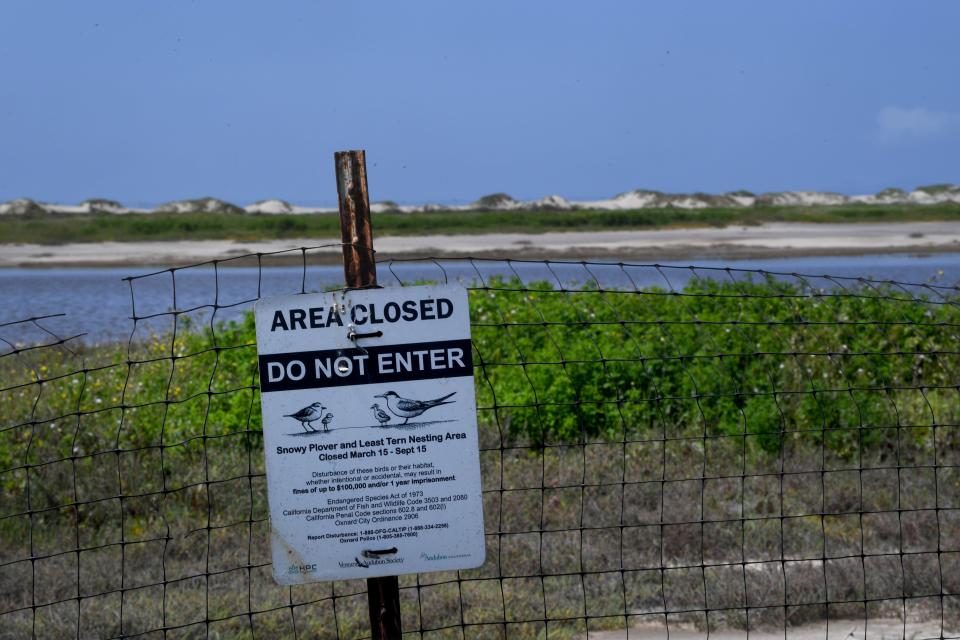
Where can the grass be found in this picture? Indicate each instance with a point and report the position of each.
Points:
(59, 229)
(629, 470)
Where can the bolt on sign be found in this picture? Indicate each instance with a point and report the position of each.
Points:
(370, 433)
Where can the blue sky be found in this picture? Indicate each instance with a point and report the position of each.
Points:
(148, 102)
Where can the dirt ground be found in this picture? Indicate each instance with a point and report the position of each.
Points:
(882, 629)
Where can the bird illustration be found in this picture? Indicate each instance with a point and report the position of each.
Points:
(406, 408)
(382, 416)
(327, 419)
(308, 414)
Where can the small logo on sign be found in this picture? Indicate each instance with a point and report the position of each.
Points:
(296, 569)
(434, 557)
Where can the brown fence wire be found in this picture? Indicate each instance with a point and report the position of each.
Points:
(665, 451)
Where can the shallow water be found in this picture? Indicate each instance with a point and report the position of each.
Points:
(99, 303)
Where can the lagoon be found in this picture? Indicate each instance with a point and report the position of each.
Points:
(100, 304)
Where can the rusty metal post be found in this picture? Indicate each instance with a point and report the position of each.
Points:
(360, 270)
(356, 233)
(383, 598)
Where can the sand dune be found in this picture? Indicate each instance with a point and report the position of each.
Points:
(635, 199)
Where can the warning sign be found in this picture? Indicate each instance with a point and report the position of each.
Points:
(370, 433)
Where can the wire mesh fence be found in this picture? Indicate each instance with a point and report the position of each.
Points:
(665, 451)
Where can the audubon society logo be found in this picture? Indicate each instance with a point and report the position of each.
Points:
(366, 563)
(434, 557)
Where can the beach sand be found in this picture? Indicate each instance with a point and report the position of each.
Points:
(762, 241)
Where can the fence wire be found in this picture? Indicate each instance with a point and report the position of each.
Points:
(665, 451)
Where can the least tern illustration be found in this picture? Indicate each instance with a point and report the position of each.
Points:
(407, 408)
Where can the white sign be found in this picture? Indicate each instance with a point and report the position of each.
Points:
(370, 433)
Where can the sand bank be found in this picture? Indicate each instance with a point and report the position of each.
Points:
(770, 240)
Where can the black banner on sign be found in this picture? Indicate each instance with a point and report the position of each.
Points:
(372, 365)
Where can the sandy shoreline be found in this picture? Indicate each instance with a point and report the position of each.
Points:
(769, 240)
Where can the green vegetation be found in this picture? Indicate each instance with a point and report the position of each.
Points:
(934, 189)
(763, 360)
(58, 229)
(891, 192)
(493, 200)
(820, 420)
